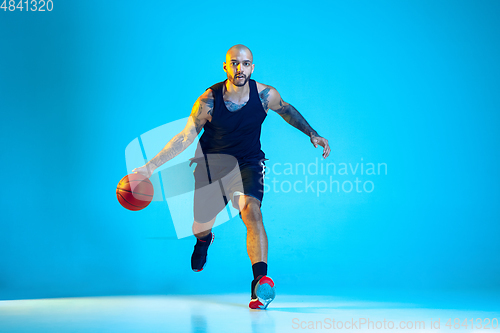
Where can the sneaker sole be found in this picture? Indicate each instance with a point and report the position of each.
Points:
(266, 292)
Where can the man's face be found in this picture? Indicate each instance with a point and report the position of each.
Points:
(239, 67)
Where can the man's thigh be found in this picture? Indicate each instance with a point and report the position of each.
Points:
(209, 195)
(249, 184)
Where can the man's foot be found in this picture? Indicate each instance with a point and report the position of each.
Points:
(263, 293)
(199, 256)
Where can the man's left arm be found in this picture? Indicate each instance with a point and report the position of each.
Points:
(272, 100)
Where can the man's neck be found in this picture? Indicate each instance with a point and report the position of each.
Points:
(235, 91)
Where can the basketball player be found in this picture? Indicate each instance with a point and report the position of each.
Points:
(231, 113)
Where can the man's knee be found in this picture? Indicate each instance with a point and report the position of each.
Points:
(246, 202)
(202, 229)
(250, 207)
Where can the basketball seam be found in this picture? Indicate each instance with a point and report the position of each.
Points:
(137, 180)
(122, 189)
(129, 202)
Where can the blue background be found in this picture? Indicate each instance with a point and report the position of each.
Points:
(412, 84)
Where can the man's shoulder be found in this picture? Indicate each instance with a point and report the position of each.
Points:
(216, 86)
(261, 87)
(207, 94)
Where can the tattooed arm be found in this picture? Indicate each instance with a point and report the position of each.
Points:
(271, 99)
(201, 112)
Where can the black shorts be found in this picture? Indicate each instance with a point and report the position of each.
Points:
(219, 178)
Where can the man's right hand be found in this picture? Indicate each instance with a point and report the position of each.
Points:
(145, 170)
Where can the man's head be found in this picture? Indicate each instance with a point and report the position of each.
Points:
(239, 65)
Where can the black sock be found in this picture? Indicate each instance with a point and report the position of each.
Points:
(259, 268)
(206, 238)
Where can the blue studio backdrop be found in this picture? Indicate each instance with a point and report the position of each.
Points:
(405, 92)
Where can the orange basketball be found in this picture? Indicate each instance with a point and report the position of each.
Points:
(135, 191)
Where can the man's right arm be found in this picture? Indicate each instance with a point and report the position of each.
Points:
(201, 112)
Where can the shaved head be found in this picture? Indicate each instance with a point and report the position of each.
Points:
(237, 50)
(239, 65)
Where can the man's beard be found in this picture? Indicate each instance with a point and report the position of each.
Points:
(233, 81)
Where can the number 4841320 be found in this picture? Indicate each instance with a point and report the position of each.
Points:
(27, 5)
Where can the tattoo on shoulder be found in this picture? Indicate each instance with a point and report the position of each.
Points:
(264, 97)
(209, 103)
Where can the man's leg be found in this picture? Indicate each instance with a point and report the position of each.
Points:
(204, 237)
(201, 230)
(262, 286)
(209, 200)
(256, 234)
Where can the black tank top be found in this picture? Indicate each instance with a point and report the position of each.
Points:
(235, 133)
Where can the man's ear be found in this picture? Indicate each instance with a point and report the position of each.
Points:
(224, 67)
(253, 68)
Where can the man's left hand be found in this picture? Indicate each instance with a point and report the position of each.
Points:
(318, 140)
